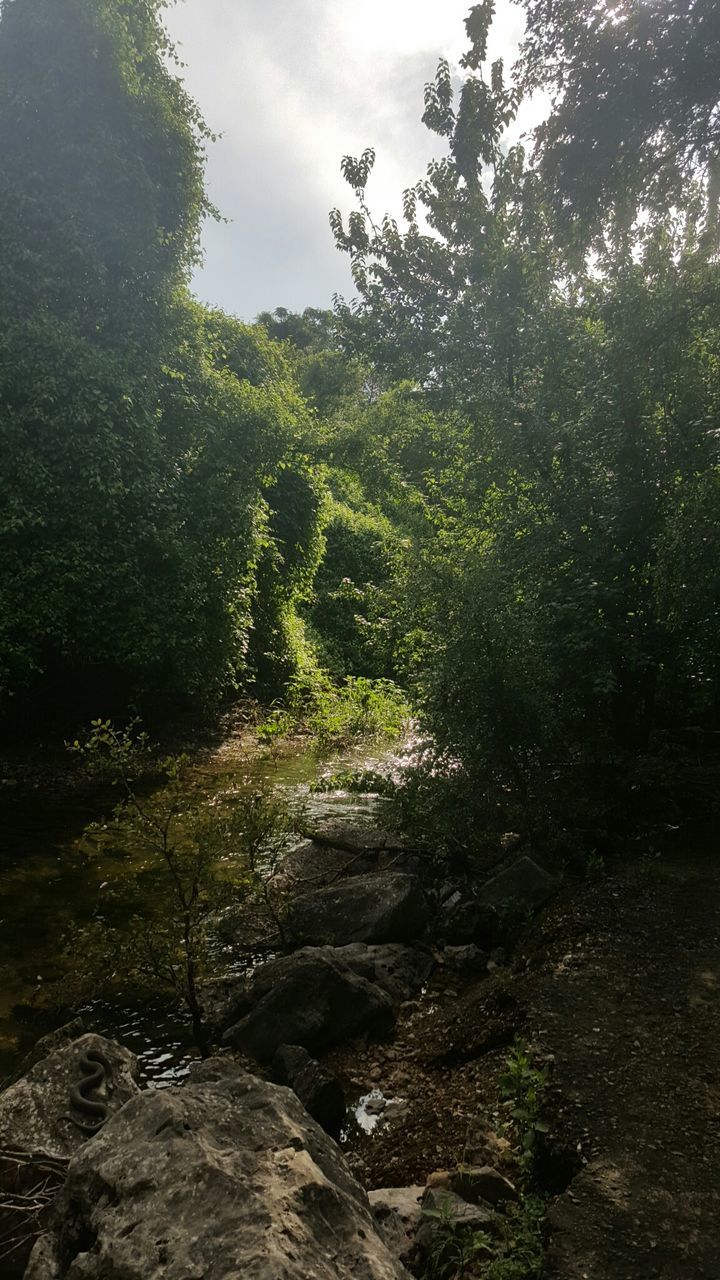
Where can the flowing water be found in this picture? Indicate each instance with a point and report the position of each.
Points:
(47, 886)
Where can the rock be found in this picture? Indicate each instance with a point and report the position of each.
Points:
(393, 967)
(312, 999)
(319, 1091)
(484, 1184)
(224, 1001)
(466, 1217)
(485, 1147)
(381, 907)
(467, 961)
(33, 1109)
(398, 1215)
(225, 1176)
(464, 922)
(395, 1107)
(376, 1106)
(36, 1139)
(524, 883)
(52, 1041)
(399, 970)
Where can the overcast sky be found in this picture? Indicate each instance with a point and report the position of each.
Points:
(292, 86)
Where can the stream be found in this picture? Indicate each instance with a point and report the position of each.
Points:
(47, 886)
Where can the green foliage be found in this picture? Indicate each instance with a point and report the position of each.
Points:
(329, 379)
(594, 865)
(180, 861)
(293, 546)
(523, 1087)
(360, 781)
(352, 611)
(556, 485)
(636, 124)
(523, 1246)
(148, 444)
(457, 1253)
(454, 1248)
(337, 714)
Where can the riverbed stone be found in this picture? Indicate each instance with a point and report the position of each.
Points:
(311, 998)
(223, 1001)
(226, 1176)
(320, 1092)
(380, 907)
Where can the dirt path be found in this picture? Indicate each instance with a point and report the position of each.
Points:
(626, 996)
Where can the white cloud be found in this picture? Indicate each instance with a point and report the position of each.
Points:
(293, 85)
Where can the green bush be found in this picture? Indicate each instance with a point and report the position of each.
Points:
(353, 609)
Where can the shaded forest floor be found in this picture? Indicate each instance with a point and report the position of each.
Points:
(627, 999)
(617, 984)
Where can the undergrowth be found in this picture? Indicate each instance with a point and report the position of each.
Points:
(515, 1250)
(338, 714)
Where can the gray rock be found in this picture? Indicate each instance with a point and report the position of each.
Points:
(36, 1138)
(524, 882)
(395, 1108)
(398, 1215)
(465, 1217)
(399, 970)
(381, 907)
(484, 1183)
(312, 999)
(54, 1040)
(224, 1000)
(468, 961)
(227, 1176)
(33, 1109)
(317, 1088)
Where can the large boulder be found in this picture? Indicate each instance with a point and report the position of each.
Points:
(311, 998)
(382, 907)
(400, 970)
(226, 1176)
(397, 969)
(37, 1137)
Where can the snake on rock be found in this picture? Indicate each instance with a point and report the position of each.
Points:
(96, 1069)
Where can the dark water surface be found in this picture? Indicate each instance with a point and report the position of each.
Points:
(47, 885)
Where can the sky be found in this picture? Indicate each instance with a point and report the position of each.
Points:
(292, 86)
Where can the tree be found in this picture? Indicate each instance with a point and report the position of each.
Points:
(141, 433)
(175, 874)
(634, 121)
(567, 403)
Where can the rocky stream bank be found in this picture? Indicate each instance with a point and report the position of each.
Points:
(356, 1120)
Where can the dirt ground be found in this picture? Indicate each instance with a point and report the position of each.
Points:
(618, 985)
(627, 999)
